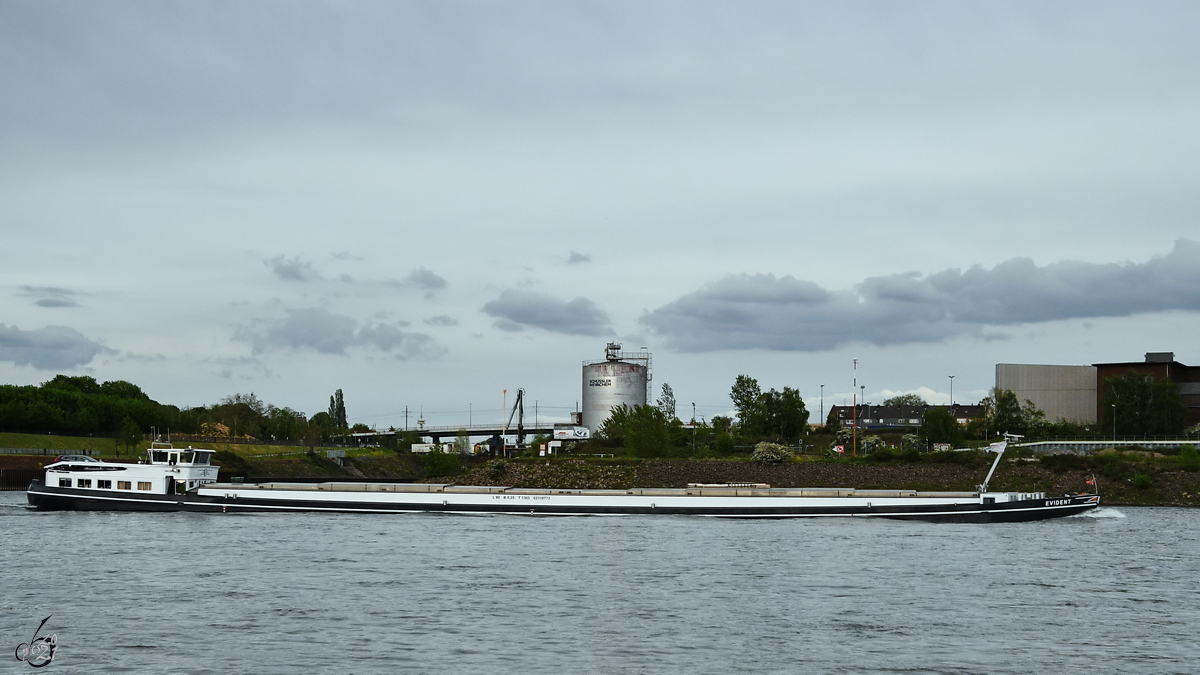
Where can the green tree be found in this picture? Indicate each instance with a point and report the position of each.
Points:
(439, 463)
(1032, 417)
(1143, 405)
(779, 415)
(905, 399)
(284, 424)
(643, 429)
(940, 426)
(784, 414)
(1002, 412)
(320, 429)
(462, 442)
(131, 435)
(666, 402)
(337, 410)
(747, 400)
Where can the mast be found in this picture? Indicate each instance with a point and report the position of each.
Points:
(1000, 448)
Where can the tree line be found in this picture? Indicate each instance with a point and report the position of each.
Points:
(655, 431)
(80, 405)
(1137, 403)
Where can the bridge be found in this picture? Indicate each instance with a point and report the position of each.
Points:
(1088, 446)
(435, 434)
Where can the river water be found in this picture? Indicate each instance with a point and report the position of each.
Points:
(1113, 592)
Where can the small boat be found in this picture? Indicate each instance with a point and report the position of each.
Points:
(172, 479)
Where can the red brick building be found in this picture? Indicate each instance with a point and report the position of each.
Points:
(1158, 365)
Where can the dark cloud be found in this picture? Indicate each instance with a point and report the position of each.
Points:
(292, 269)
(49, 348)
(324, 332)
(425, 280)
(51, 296)
(575, 258)
(764, 312)
(441, 320)
(56, 302)
(515, 308)
(302, 329)
(402, 344)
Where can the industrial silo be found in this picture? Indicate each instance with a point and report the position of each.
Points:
(620, 379)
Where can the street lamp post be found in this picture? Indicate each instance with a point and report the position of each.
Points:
(1114, 416)
(693, 428)
(854, 426)
(951, 391)
(822, 405)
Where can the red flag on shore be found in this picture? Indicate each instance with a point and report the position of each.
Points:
(1091, 481)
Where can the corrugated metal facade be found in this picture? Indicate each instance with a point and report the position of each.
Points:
(1062, 392)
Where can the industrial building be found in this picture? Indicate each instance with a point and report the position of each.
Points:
(1062, 392)
(1075, 393)
(621, 378)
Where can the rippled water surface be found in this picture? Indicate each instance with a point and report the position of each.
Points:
(1118, 591)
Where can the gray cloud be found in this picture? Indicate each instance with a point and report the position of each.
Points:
(51, 296)
(425, 280)
(292, 269)
(324, 332)
(49, 348)
(441, 320)
(764, 312)
(515, 308)
(401, 344)
(575, 258)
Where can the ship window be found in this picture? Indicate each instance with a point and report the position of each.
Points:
(84, 482)
(158, 456)
(185, 457)
(104, 484)
(124, 485)
(144, 485)
(64, 482)
(202, 457)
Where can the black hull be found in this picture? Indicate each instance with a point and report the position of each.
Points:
(74, 499)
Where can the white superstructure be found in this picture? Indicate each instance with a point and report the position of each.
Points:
(166, 470)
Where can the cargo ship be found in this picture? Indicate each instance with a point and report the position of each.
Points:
(177, 479)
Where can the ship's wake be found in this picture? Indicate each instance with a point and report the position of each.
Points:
(1102, 512)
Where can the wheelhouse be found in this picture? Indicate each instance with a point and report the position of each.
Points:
(164, 470)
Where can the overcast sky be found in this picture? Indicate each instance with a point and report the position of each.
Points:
(426, 203)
